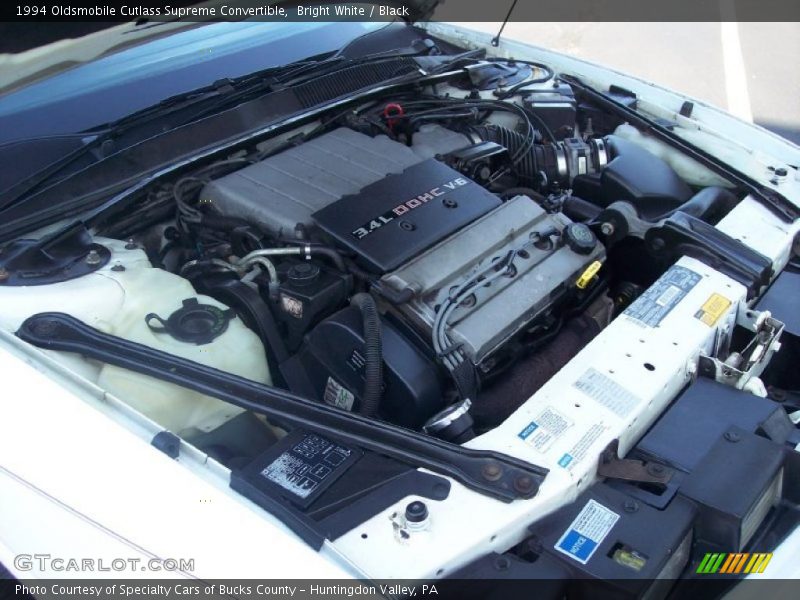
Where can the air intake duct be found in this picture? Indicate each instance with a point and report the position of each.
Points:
(547, 166)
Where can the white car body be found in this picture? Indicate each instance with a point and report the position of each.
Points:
(98, 488)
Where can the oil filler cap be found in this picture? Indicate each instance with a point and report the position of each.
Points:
(580, 238)
(194, 322)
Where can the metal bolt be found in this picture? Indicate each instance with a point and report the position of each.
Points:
(655, 469)
(691, 368)
(630, 506)
(93, 258)
(492, 472)
(407, 226)
(449, 203)
(469, 301)
(524, 484)
(777, 394)
(118, 268)
(732, 436)
(502, 563)
(607, 228)
(131, 245)
(4, 274)
(657, 244)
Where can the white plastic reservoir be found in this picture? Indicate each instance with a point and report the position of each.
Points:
(116, 299)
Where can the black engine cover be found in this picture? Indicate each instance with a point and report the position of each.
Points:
(331, 367)
(397, 218)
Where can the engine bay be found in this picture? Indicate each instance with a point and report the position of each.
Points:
(417, 253)
(431, 259)
(439, 252)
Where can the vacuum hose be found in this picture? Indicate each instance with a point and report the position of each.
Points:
(373, 344)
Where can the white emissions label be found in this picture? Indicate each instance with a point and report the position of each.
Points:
(607, 392)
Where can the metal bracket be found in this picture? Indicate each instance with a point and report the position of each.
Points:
(635, 471)
(741, 369)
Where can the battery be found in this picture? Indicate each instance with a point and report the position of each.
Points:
(614, 545)
(735, 486)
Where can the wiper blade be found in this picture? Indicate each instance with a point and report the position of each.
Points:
(103, 190)
(186, 108)
(488, 472)
(99, 137)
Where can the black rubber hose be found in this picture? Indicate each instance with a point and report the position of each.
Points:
(331, 254)
(373, 350)
(579, 209)
(526, 167)
(522, 191)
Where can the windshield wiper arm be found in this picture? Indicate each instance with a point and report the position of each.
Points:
(99, 137)
(207, 100)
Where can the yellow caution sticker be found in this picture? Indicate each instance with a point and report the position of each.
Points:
(713, 309)
(587, 276)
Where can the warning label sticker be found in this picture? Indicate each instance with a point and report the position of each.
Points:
(713, 309)
(306, 466)
(660, 298)
(337, 395)
(569, 460)
(587, 532)
(545, 429)
(607, 392)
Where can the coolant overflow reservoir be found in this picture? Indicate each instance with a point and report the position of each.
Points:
(131, 299)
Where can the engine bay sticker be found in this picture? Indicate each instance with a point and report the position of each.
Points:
(607, 392)
(307, 465)
(337, 395)
(546, 428)
(292, 306)
(660, 298)
(713, 309)
(587, 532)
(578, 452)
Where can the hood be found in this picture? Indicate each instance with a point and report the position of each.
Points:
(29, 51)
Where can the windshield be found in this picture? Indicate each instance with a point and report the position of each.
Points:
(132, 79)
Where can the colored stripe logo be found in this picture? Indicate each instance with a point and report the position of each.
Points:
(734, 563)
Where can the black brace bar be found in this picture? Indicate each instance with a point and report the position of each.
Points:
(684, 235)
(491, 473)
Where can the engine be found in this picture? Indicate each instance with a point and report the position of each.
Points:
(456, 271)
(431, 257)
